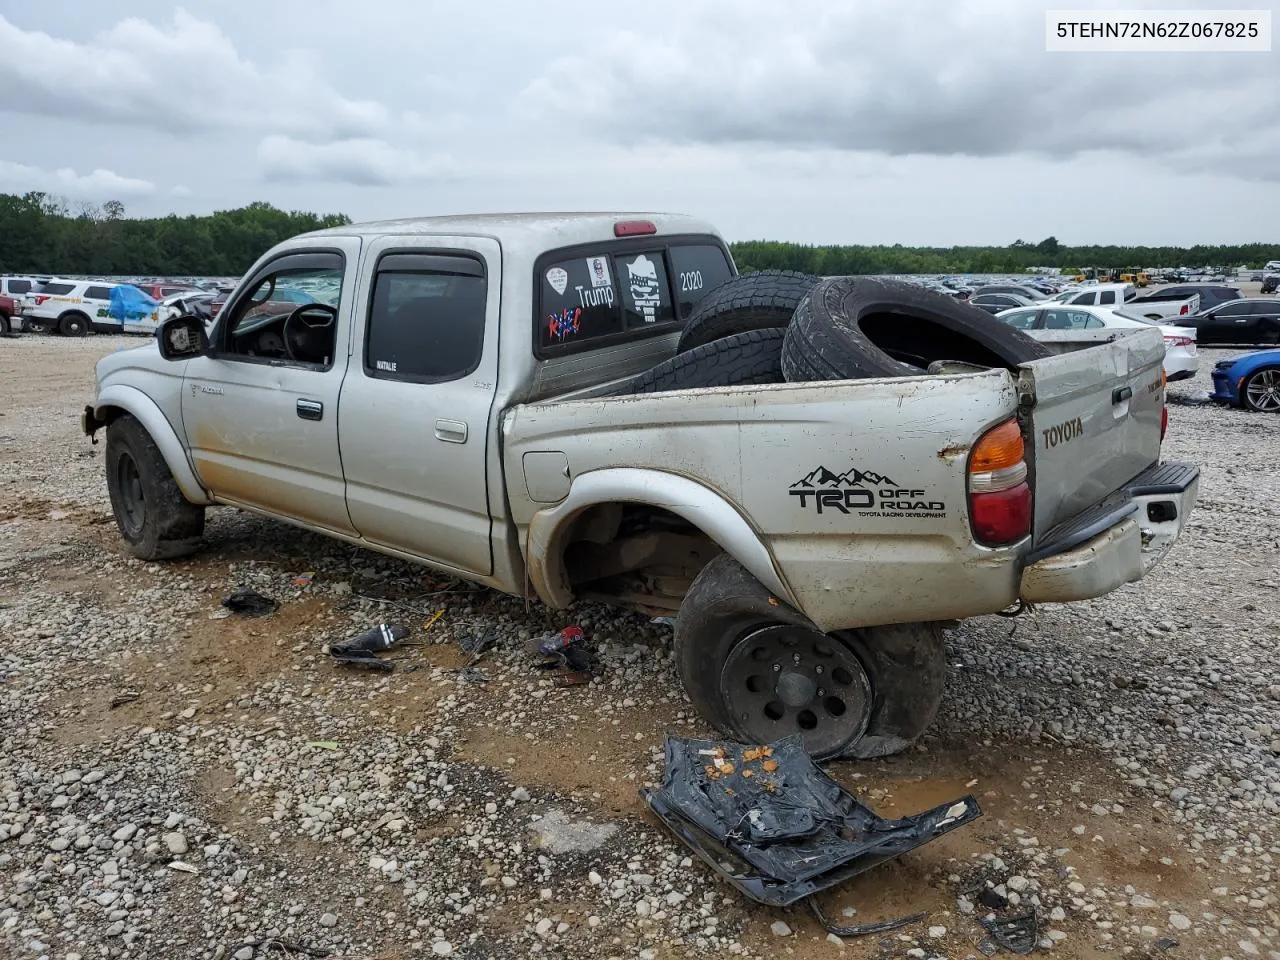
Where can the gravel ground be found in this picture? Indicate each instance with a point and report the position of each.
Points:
(175, 784)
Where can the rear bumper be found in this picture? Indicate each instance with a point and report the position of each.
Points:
(1116, 542)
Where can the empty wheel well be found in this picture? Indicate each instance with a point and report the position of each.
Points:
(634, 555)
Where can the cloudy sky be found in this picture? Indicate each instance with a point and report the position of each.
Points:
(858, 121)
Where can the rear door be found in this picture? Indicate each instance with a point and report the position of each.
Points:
(1232, 323)
(415, 412)
(1095, 423)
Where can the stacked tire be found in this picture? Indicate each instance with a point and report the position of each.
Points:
(782, 326)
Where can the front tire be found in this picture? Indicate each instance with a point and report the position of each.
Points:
(6, 326)
(1261, 392)
(155, 519)
(758, 671)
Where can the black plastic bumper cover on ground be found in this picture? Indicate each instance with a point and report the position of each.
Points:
(775, 826)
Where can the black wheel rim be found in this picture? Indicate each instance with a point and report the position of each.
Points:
(782, 680)
(1262, 391)
(133, 505)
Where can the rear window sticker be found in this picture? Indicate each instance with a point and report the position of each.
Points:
(642, 275)
(558, 277)
(598, 271)
(564, 323)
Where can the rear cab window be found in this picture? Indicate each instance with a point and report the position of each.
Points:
(614, 292)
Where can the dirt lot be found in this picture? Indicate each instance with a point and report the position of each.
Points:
(1126, 752)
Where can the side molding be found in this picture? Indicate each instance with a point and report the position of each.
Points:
(700, 505)
(133, 401)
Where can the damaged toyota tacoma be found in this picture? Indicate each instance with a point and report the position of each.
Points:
(505, 398)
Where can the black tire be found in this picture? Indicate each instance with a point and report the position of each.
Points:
(755, 301)
(73, 324)
(6, 327)
(746, 358)
(853, 327)
(901, 669)
(155, 519)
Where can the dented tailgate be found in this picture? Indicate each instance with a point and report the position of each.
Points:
(1095, 419)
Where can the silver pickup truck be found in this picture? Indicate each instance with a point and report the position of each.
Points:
(453, 391)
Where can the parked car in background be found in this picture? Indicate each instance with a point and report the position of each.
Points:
(1251, 320)
(69, 307)
(1180, 358)
(195, 303)
(995, 302)
(1101, 295)
(1016, 289)
(159, 291)
(1251, 381)
(16, 287)
(1271, 282)
(8, 315)
(1211, 295)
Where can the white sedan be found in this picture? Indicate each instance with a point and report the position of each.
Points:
(1180, 359)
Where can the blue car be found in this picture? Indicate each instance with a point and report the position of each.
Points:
(1251, 381)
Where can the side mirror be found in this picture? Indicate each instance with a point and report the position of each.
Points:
(182, 338)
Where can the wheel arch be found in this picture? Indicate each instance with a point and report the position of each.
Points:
(548, 533)
(119, 399)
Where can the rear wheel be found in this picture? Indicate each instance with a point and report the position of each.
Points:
(6, 327)
(155, 519)
(1261, 392)
(758, 671)
(73, 325)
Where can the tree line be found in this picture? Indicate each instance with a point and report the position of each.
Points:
(43, 234)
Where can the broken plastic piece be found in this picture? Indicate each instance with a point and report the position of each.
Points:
(861, 929)
(304, 579)
(565, 639)
(1017, 934)
(435, 617)
(249, 603)
(989, 898)
(781, 836)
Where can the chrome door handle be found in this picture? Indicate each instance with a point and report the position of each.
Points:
(310, 409)
(451, 431)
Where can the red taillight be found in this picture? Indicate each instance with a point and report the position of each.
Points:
(40, 300)
(634, 228)
(1178, 341)
(999, 495)
(1001, 518)
(1186, 308)
(1164, 422)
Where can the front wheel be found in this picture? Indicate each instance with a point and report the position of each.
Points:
(1261, 392)
(6, 326)
(759, 671)
(155, 519)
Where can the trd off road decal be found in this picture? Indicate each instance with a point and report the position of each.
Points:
(864, 493)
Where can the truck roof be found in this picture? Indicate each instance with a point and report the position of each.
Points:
(548, 230)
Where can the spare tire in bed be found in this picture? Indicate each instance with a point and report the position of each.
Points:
(747, 358)
(754, 301)
(854, 327)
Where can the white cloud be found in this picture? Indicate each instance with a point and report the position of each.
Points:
(955, 79)
(183, 76)
(98, 185)
(179, 190)
(362, 162)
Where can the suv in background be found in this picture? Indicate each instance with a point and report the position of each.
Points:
(69, 307)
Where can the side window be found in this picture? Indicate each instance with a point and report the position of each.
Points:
(1085, 299)
(1108, 296)
(646, 295)
(1022, 320)
(697, 270)
(19, 286)
(1092, 323)
(56, 289)
(98, 293)
(288, 313)
(426, 318)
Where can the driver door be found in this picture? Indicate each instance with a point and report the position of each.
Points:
(261, 409)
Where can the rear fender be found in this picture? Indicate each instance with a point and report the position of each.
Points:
(119, 398)
(700, 505)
